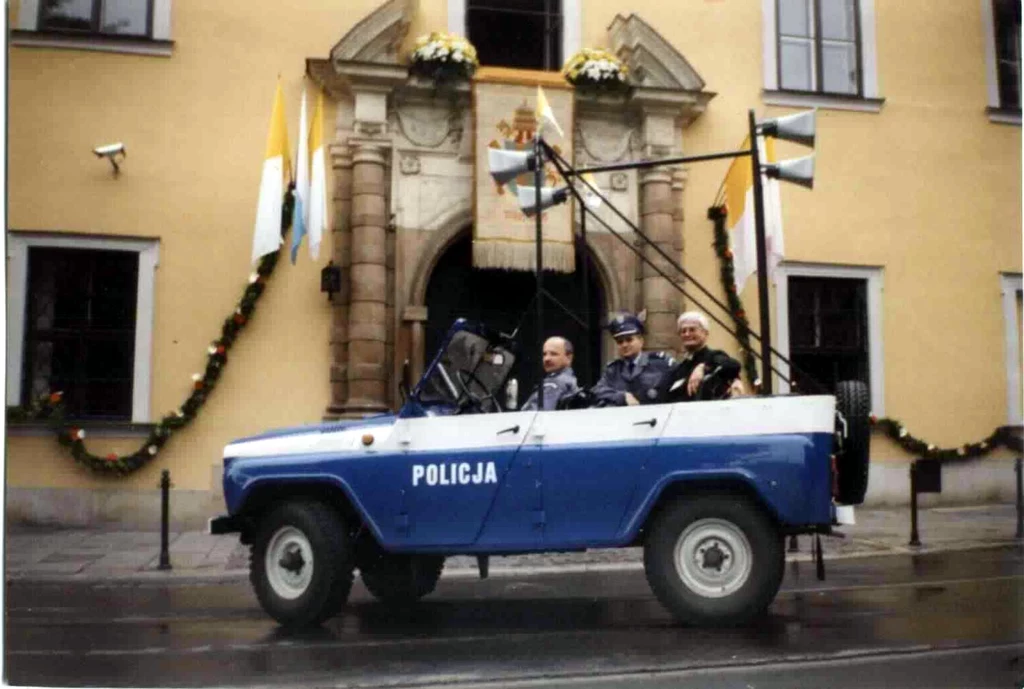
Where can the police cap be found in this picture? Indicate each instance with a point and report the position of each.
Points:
(626, 324)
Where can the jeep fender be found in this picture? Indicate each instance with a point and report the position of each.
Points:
(679, 485)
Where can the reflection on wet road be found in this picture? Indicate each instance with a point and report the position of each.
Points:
(550, 627)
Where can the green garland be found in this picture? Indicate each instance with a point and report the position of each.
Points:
(727, 273)
(891, 427)
(50, 407)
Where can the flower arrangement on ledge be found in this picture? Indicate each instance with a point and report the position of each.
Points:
(597, 69)
(443, 57)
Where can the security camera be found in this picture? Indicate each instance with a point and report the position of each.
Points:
(111, 152)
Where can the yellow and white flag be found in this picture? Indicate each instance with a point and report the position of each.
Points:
(739, 200)
(266, 238)
(545, 114)
(316, 221)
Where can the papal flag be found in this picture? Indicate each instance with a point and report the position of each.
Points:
(316, 220)
(739, 200)
(266, 238)
(300, 209)
(545, 115)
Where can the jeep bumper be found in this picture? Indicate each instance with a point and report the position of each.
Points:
(224, 524)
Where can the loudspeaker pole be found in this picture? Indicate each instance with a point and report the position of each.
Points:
(762, 262)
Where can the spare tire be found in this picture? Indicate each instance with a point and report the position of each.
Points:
(853, 403)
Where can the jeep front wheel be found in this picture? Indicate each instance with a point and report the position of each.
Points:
(714, 560)
(301, 564)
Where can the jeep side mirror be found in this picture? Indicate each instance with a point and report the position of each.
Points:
(405, 383)
(512, 394)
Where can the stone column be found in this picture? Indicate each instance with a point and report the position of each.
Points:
(657, 223)
(416, 316)
(367, 323)
(341, 233)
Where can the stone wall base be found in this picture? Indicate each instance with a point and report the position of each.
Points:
(135, 510)
(970, 482)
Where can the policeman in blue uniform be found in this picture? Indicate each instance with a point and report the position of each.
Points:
(632, 378)
(559, 379)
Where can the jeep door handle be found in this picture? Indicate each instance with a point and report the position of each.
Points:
(514, 429)
(648, 422)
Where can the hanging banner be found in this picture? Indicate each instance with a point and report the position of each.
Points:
(504, 110)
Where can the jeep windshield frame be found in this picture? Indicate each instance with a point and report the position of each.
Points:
(472, 364)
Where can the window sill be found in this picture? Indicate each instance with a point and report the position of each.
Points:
(824, 101)
(1003, 115)
(107, 44)
(97, 429)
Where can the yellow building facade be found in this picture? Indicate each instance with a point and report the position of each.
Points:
(916, 206)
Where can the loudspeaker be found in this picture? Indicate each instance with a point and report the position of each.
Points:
(799, 127)
(799, 171)
(549, 196)
(505, 166)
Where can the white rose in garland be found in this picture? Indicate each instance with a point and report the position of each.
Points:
(443, 57)
(597, 69)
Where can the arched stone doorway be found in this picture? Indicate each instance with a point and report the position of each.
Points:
(504, 299)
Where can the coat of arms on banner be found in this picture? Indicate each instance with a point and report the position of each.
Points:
(503, 237)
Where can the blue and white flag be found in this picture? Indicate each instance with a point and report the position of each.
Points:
(301, 184)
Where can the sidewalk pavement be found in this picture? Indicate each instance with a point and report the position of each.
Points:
(51, 554)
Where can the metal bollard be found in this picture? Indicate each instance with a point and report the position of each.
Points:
(1018, 466)
(793, 547)
(165, 495)
(914, 538)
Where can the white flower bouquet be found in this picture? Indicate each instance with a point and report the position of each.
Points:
(596, 68)
(443, 57)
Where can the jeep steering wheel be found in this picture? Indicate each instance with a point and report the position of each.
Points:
(484, 403)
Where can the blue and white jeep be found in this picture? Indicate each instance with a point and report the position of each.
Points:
(708, 489)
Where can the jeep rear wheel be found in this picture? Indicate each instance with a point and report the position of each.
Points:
(401, 579)
(853, 402)
(715, 559)
(300, 563)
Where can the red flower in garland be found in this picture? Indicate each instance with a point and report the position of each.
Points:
(728, 254)
(220, 349)
(239, 319)
(741, 314)
(55, 397)
(111, 457)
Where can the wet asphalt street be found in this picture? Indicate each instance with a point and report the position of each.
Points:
(952, 619)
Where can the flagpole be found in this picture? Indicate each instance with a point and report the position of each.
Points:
(538, 179)
(762, 261)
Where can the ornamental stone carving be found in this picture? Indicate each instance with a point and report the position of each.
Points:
(652, 61)
(409, 164)
(377, 37)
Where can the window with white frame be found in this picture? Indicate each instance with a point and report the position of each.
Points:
(830, 326)
(820, 52)
(527, 34)
(133, 26)
(1013, 295)
(81, 313)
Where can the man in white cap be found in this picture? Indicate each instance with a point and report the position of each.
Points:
(702, 373)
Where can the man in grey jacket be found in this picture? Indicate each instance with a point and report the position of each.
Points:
(559, 379)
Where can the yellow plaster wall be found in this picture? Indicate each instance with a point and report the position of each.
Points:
(929, 188)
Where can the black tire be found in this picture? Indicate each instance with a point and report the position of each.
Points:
(739, 548)
(401, 580)
(313, 585)
(854, 404)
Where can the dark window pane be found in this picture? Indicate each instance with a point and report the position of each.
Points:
(128, 17)
(526, 34)
(1007, 20)
(818, 46)
(828, 331)
(66, 15)
(121, 17)
(80, 329)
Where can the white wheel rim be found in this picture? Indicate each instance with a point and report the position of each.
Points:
(289, 562)
(713, 558)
